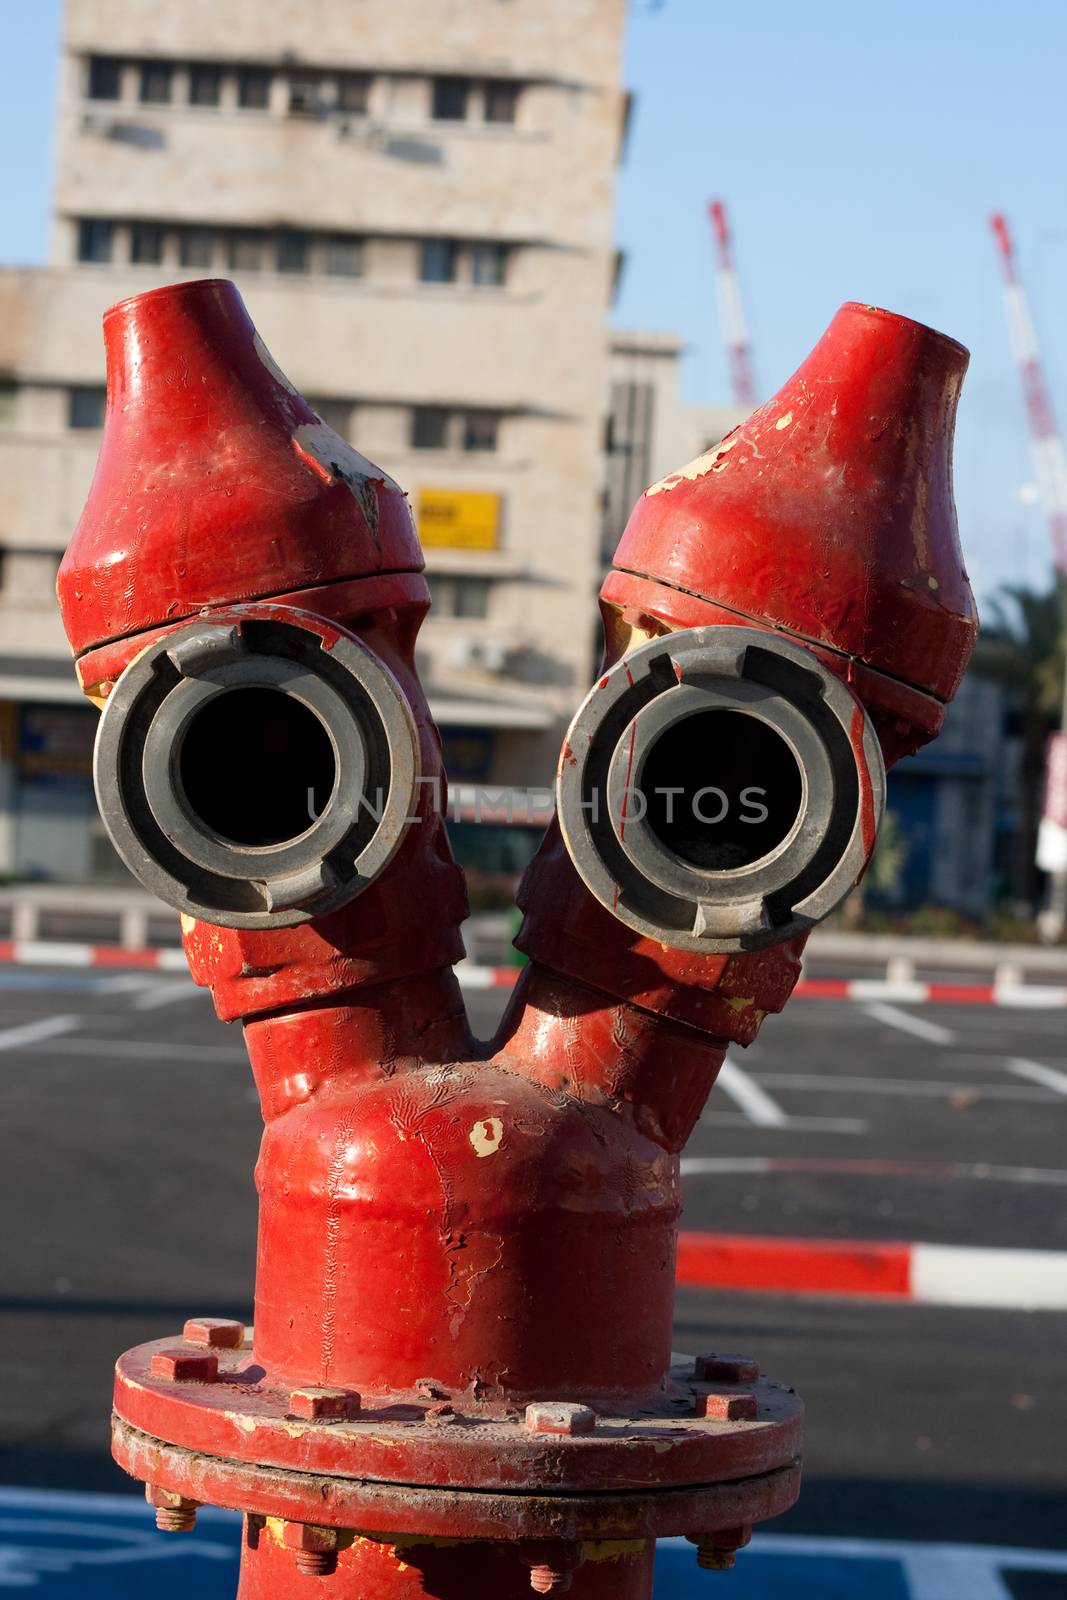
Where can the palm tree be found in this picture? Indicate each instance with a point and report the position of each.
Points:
(1022, 646)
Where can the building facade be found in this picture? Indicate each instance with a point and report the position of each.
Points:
(421, 222)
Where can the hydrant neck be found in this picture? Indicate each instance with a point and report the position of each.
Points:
(597, 1048)
(369, 1034)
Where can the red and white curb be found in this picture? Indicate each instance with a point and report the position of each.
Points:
(1034, 996)
(923, 1274)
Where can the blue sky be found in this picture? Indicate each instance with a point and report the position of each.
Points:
(859, 148)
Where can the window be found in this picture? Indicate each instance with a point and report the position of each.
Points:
(293, 252)
(459, 596)
(337, 414)
(489, 264)
(253, 89)
(480, 430)
(353, 93)
(450, 97)
(95, 239)
(470, 597)
(344, 256)
(156, 81)
(247, 252)
(438, 261)
(205, 85)
(8, 392)
(305, 96)
(196, 247)
(429, 428)
(146, 244)
(105, 78)
(85, 407)
(501, 100)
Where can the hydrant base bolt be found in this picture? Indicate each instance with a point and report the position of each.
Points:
(183, 1366)
(559, 1417)
(219, 1333)
(546, 1580)
(324, 1405)
(316, 1563)
(717, 1552)
(174, 1513)
(726, 1369)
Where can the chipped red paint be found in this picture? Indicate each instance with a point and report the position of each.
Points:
(453, 1230)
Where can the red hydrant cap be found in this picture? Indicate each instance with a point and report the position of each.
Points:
(216, 481)
(828, 514)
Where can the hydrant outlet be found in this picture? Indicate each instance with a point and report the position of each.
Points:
(720, 790)
(257, 767)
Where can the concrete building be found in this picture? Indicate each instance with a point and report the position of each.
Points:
(421, 221)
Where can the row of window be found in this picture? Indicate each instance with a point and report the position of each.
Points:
(483, 263)
(308, 92)
(430, 428)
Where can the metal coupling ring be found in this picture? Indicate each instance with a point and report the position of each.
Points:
(256, 768)
(720, 789)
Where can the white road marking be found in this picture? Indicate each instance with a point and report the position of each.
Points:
(154, 996)
(923, 1088)
(36, 1032)
(932, 1032)
(830, 1166)
(734, 1119)
(746, 1093)
(1039, 1074)
(155, 1050)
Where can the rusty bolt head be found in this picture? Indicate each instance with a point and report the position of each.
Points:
(717, 1552)
(559, 1416)
(727, 1369)
(316, 1548)
(324, 1405)
(174, 1513)
(740, 1407)
(552, 1563)
(184, 1366)
(218, 1332)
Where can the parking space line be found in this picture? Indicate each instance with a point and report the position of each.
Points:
(155, 1050)
(747, 1095)
(155, 995)
(35, 1032)
(921, 1088)
(893, 1017)
(1039, 1074)
(735, 1119)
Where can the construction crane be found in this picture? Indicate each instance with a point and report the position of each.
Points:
(738, 349)
(1050, 466)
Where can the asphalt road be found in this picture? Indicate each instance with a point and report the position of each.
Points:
(128, 1135)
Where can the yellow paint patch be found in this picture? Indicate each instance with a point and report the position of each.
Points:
(486, 1136)
(783, 422)
(614, 1550)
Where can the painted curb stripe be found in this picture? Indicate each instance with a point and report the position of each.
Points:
(923, 1274)
(1034, 996)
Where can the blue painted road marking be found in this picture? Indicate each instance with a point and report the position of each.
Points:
(105, 1547)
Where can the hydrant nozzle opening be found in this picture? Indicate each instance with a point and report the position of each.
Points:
(720, 789)
(257, 767)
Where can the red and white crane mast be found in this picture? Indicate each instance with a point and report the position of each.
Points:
(1050, 462)
(738, 349)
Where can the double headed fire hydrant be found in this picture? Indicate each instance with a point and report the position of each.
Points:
(460, 1380)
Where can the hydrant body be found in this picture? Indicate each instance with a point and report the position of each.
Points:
(460, 1378)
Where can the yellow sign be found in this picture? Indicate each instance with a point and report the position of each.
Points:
(459, 519)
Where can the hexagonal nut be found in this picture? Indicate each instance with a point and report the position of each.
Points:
(726, 1369)
(168, 1499)
(559, 1416)
(185, 1366)
(718, 1407)
(220, 1333)
(324, 1405)
(317, 1540)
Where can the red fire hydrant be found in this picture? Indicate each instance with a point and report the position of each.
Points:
(460, 1380)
